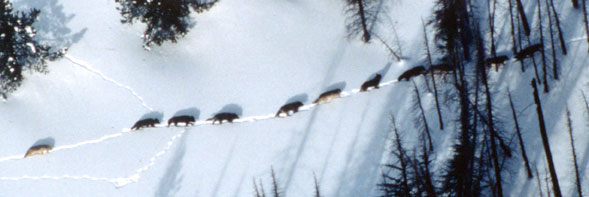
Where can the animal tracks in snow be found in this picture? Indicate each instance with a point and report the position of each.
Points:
(136, 175)
(106, 78)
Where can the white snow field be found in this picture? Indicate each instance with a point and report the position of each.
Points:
(251, 57)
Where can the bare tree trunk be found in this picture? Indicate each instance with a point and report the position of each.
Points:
(366, 36)
(560, 36)
(554, 66)
(274, 184)
(546, 180)
(585, 20)
(317, 193)
(570, 128)
(514, 47)
(575, 4)
(586, 103)
(539, 182)
(554, 177)
(256, 189)
(429, 59)
(534, 62)
(496, 166)
(519, 39)
(542, 50)
(522, 16)
(401, 157)
(492, 26)
(429, 137)
(391, 51)
(262, 189)
(519, 137)
(429, 186)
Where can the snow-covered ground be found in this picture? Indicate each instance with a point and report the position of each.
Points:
(249, 57)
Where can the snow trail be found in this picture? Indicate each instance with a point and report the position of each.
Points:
(123, 181)
(117, 182)
(106, 78)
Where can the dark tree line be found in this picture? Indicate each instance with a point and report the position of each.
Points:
(19, 50)
(166, 20)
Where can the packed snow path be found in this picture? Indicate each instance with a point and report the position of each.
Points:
(132, 178)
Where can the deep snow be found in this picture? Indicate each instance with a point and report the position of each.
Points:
(249, 57)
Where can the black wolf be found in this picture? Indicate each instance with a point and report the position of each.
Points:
(371, 83)
(411, 73)
(441, 68)
(189, 120)
(290, 107)
(528, 51)
(327, 96)
(150, 122)
(229, 117)
(496, 61)
(38, 150)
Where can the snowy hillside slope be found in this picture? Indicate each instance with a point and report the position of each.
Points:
(251, 56)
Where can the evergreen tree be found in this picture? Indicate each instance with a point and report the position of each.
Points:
(361, 17)
(19, 50)
(166, 20)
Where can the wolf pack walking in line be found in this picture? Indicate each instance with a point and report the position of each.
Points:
(325, 97)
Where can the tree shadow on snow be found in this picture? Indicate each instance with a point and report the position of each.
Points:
(45, 141)
(193, 111)
(52, 22)
(170, 181)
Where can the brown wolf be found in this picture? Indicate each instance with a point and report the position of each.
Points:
(411, 73)
(327, 96)
(371, 83)
(189, 120)
(229, 117)
(496, 61)
(528, 51)
(290, 107)
(150, 122)
(38, 150)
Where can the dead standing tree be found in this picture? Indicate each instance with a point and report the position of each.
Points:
(429, 60)
(542, 50)
(554, 60)
(560, 34)
(545, 143)
(570, 129)
(522, 16)
(519, 137)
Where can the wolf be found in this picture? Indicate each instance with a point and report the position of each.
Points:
(150, 122)
(38, 150)
(496, 61)
(290, 107)
(371, 83)
(327, 96)
(189, 120)
(229, 117)
(411, 73)
(441, 68)
(528, 51)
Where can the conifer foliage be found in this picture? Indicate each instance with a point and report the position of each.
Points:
(361, 17)
(19, 50)
(166, 20)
